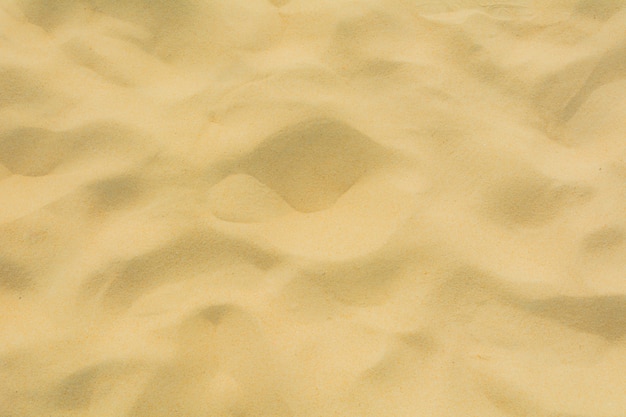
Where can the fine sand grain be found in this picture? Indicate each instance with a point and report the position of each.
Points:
(312, 208)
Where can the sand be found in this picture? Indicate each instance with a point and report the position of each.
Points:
(312, 208)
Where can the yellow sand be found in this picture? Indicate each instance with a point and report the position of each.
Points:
(312, 208)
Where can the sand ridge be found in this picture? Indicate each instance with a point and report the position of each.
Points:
(312, 208)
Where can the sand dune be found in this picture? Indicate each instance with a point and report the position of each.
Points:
(312, 208)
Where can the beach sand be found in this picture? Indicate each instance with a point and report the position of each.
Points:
(312, 208)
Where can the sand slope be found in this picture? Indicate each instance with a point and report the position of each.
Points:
(312, 208)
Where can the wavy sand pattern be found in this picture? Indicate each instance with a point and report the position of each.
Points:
(312, 208)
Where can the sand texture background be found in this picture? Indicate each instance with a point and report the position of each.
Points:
(312, 208)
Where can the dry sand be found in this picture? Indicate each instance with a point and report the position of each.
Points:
(312, 208)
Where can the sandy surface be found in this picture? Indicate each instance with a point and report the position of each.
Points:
(312, 208)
